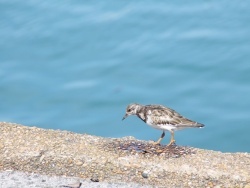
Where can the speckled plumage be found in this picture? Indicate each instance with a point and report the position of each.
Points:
(161, 117)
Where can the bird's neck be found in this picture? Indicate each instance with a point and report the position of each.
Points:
(141, 113)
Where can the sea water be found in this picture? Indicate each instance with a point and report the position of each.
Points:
(76, 65)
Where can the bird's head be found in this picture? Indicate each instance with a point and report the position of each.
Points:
(132, 109)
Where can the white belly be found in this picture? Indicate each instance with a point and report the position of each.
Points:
(165, 127)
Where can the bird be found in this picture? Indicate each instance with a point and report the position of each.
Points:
(162, 118)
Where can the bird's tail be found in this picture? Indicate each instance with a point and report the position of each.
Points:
(199, 125)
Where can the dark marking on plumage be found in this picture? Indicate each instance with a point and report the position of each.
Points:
(158, 112)
(157, 116)
(142, 117)
(162, 115)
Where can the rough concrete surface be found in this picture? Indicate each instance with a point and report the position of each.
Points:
(52, 158)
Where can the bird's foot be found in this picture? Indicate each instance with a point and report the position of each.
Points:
(154, 142)
(172, 142)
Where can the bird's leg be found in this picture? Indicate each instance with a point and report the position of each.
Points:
(172, 141)
(160, 139)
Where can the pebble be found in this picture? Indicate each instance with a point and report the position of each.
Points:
(94, 179)
(144, 174)
(79, 163)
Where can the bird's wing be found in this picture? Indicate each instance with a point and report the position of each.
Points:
(164, 115)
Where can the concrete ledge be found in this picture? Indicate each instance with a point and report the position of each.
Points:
(63, 153)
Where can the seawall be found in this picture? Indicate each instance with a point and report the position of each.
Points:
(64, 153)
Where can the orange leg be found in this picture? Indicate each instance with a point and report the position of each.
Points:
(172, 141)
(160, 139)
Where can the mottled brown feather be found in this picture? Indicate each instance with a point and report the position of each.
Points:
(163, 115)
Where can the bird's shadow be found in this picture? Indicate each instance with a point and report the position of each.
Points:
(151, 149)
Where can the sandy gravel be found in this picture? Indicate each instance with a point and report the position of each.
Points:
(112, 162)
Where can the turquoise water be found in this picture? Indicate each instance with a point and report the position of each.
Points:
(76, 65)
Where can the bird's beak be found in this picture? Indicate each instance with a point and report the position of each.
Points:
(126, 115)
